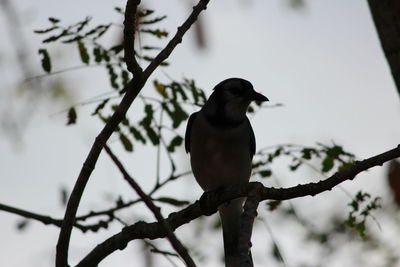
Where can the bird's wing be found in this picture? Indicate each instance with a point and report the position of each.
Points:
(188, 131)
(252, 139)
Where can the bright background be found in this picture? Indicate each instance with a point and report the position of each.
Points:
(323, 62)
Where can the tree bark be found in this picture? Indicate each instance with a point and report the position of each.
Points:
(386, 15)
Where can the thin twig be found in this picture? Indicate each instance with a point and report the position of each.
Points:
(176, 244)
(164, 54)
(109, 212)
(271, 234)
(158, 161)
(129, 37)
(48, 220)
(45, 75)
(169, 179)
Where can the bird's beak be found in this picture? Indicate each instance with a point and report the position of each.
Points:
(258, 97)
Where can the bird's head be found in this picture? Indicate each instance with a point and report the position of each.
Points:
(231, 99)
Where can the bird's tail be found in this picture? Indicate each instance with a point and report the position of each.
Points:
(230, 214)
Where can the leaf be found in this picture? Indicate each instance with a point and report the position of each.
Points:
(152, 21)
(157, 33)
(175, 142)
(150, 59)
(126, 142)
(160, 88)
(46, 30)
(146, 124)
(172, 201)
(198, 94)
(124, 77)
(100, 106)
(137, 134)
(178, 89)
(64, 196)
(101, 30)
(113, 77)
(119, 10)
(146, 47)
(295, 166)
(152, 135)
(273, 204)
(278, 152)
(83, 52)
(56, 37)
(344, 166)
(80, 25)
(22, 224)
(54, 20)
(306, 153)
(145, 12)
(117, 48)
(73, 39)
(97, 54)
(71, 116)
(178, 116)
(46, 63)
(148, 109)
(125, 121)
(335, 151)
(106, 57)
(327, 164)
(265, 173)
(94, 30)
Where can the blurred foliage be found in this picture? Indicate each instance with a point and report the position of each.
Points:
(361, 210)
(166, 112)
(329, 157)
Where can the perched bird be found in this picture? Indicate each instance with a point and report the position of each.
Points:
(221, 143)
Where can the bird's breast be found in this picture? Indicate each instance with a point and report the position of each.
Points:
(219, 156)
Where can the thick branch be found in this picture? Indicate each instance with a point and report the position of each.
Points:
(176, 244)
(213, 199)
(132, 90)
(129, 37)
(246, 228)
(385, 14)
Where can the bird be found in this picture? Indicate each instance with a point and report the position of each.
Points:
(221, 144)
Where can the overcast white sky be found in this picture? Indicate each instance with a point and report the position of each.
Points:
(324, 63)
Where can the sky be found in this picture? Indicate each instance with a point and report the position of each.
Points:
(322, 62)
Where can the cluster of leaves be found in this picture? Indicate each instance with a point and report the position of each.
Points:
(175, 99)
(170, 109)
(92, 52)
(322, 158)
(362, 205)
(167, 111)
(337, 231)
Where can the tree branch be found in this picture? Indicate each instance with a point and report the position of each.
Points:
(47, 220)
(30, 215)
(176, 244)
(213, 199)
(129, 37)
(164, 54)
(246, 228)
(132, 89)
(385, 14)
